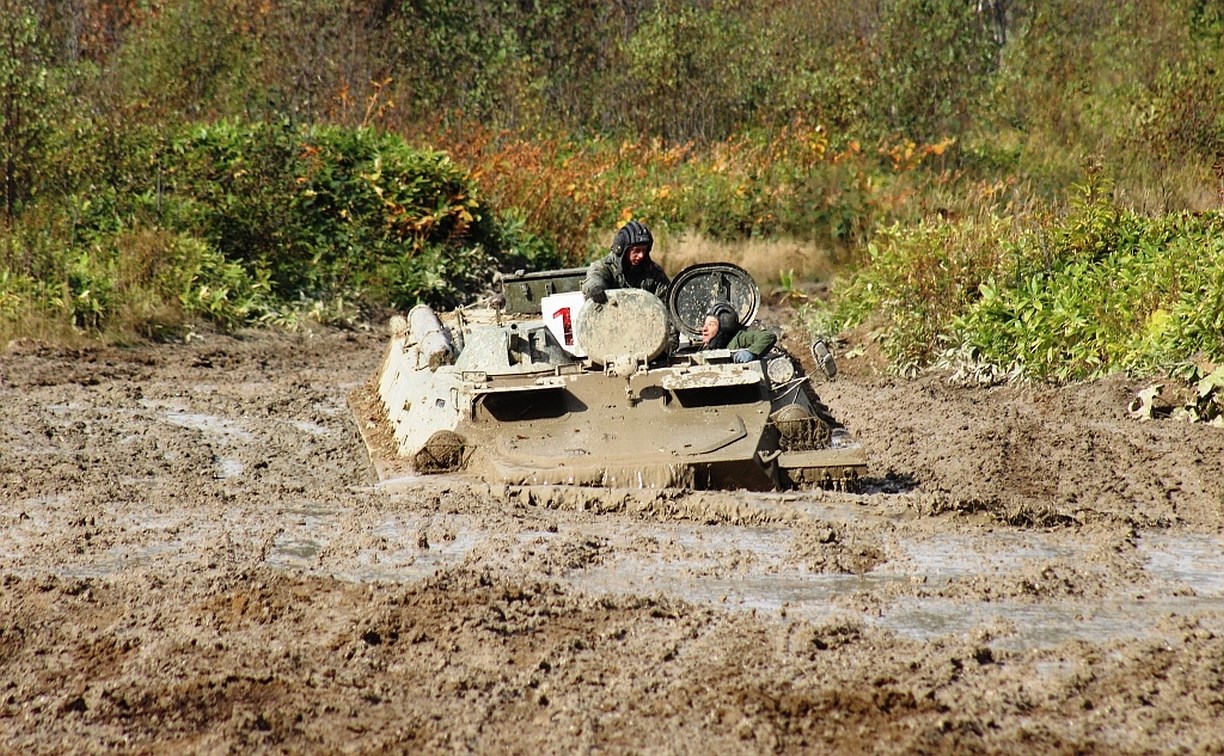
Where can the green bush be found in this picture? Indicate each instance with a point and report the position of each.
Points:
(1149, 297)
(242, 223)
(329, 211)
(1098, 290)
(917, 279)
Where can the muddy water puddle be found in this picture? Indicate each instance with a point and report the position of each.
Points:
(959, 556)
(1019, 625)
(1194, 560)
(210, 424)
(397, 548)
(101, 546)
(1187, 573)
(229, 467)
(757, 569)
(770, 570)
(311, 429)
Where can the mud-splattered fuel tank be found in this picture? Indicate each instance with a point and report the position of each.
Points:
(544, 388)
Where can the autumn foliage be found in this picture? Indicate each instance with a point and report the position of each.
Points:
(263, 161)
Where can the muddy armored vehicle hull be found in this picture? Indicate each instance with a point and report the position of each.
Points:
(544, 388)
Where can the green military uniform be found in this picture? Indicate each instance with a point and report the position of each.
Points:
(612, 271)
(757, 342)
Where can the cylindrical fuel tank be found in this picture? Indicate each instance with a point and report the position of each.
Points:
(428, 334)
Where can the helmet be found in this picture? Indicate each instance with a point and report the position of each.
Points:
(632, 234)
(728, 319)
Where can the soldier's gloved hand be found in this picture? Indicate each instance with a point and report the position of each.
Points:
(598, 296)
(743, 355)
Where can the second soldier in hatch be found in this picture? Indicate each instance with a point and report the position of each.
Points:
(721, 329)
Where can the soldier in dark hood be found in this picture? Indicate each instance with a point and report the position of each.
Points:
(721, 329)
(626, 266)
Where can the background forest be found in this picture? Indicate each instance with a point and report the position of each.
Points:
(1016, 188)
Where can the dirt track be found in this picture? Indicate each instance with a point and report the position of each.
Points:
(192, 557)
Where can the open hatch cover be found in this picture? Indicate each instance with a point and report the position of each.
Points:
(699, 286)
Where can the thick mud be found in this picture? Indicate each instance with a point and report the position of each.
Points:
(194, 556)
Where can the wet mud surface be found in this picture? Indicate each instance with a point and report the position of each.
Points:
(194, 556)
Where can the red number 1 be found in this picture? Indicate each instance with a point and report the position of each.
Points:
(566, 327)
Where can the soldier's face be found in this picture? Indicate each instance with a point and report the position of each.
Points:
(709, 329)
(636, 255)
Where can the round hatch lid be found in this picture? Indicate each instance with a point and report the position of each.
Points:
(632, 324)
(697, 287)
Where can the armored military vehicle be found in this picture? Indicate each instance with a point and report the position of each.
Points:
(539, 387)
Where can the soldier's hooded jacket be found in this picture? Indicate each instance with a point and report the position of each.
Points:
(613, 270)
